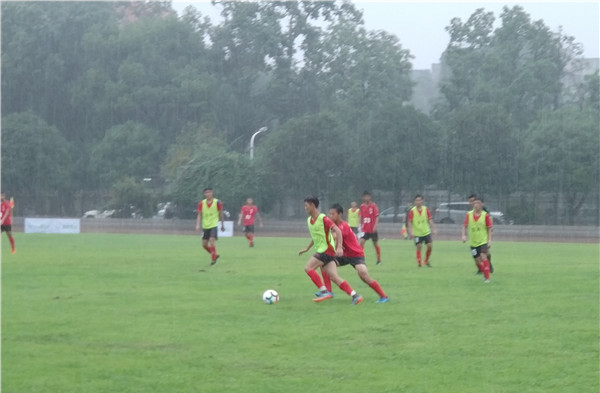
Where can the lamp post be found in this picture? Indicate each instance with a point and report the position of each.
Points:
(262, 129)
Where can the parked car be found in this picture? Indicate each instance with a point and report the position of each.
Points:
(99, 214)
(453, 212)
(387, 215)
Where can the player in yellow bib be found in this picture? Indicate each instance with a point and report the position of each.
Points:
(210, 212)
(479, 225)
(419, 225)
(353, 218)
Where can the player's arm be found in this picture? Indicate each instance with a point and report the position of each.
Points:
(339, 240)
(198, 219)
(409, 228)
(221, 217)
(240, 218)
(307, 248)
(376, 222)
(464, 229)
(431, 223)
(259, 218)
(489, 225)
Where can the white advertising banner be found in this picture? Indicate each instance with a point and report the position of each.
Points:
(228, 229)
(52, 225)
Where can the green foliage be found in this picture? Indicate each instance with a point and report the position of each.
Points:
(146, 313)
(130, 196)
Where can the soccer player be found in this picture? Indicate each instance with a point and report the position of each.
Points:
(353, 217)
(327, 239)
(479, 224)
(369, 215)
(210, 212)
(248, 212)
(489, 254)
(353, 253)
(6, 212)
(419, 224)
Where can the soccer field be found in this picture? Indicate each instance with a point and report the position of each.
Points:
(146, 313)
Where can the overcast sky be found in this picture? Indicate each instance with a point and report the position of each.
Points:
(420, 25)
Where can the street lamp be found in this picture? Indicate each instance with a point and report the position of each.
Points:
(262, 129)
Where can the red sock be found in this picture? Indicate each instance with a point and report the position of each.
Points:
(326, 280)
(314, 276)
(214, 252)
(247, 235)
(251, 237)
(346, 288)
(486, 269)
(427, 255)
(377, 288)
(378, 250)
(12, 243)
(208, 249)
(419, 257)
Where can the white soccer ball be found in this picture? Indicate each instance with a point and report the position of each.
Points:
(270, 296)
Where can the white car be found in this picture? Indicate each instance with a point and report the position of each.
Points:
(450, 213)
(98, 214)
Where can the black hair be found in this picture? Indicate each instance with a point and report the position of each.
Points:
(472, 196)
(476, 198)
(312, 199)
(338, 208)
(418, 196)
(207, 189)
(366, 193)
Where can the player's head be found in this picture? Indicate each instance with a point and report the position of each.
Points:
(311, 203)
(477, 204)
(208, 193)
(471, 198)
(418, 200)
(366, 197)
(336, 212)
(249, 201)
(353, 205)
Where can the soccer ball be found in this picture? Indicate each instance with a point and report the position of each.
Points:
(270, 296)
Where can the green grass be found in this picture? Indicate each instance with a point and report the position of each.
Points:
(134, 313)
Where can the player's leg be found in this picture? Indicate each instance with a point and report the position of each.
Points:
(310, 269)
(489, 258)
(213, 245)
(11, 239)
(375, 237)
(331, 270)
(419, 246)
(485, 263)
(363, 273)
(428, 251)
(362, 241)
(326, 279)
(205, 243)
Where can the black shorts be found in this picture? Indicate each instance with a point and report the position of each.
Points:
(423, 239)
(477, 251)
(211, 232)
(343, 261)
(354, 230)
(6, 228)
(373, 236)
(325, 258)
(248, 229)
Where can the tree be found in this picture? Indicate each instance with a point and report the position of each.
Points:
(36, 164)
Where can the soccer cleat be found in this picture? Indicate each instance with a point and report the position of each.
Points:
(478, 272)
(324, 296)
(251, 244)
(319, 294)
(357, 299)
(486, 281)
(378, 263)
(428, 264)
(214, 260)
(383, 300)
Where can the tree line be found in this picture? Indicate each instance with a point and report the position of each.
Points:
(125, 104)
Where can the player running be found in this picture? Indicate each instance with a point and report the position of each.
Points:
(353, 217)
(479, 224)
(210, 212)
(471, 198)
(327, 239)
(369, 215)
(6, 212)
(353, 253)
(248, 212)
(419, 223)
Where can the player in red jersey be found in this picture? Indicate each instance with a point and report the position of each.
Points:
(248, 213)
(327, 239)
(353, 252)
(6, 211)
(210, 212)
(369, 217)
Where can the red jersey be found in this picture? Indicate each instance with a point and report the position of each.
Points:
(219, 205)
(248, 213)
(488, 219)
(350, 244)
(368, 214)
(5, 212)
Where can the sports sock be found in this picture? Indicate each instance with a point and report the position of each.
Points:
(378, 250)
(377, 288)
(12, 243)
(251, 237)
(326, 279)
(427, 255)
(344, 286)
(214, 252)
(208, 249)
(419, 257)
(314, 276)
(486, 269)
